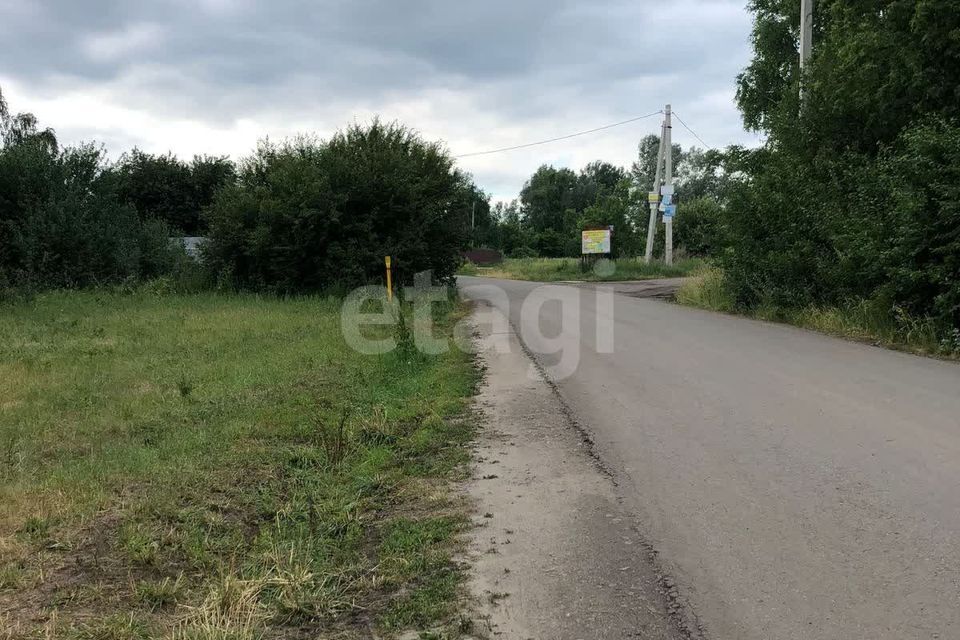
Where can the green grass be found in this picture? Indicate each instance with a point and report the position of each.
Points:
(863, 320)
(705, 289)
(564, 269)
(222, 466)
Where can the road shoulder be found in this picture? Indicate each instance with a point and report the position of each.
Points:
(555, 555)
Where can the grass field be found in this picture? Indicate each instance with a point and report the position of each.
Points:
(200, 467)
(563, 269)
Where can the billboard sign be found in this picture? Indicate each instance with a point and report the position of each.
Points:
(595, 241)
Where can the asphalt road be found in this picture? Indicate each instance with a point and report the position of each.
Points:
(794, 485)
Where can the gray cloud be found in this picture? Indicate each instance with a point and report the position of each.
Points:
(175, 73)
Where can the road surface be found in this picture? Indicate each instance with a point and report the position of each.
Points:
(793, 485)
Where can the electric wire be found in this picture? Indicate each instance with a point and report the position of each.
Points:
(559, 138)
(691, 131)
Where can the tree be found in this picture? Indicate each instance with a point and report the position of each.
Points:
(558, 203)
(699, 231)
(596, 181)
(703, 174)
(22, 128)
(554, 200)
(483, 224)
(308, 215)
(645, 167)
(546, 197)
(851, 197)
(163, 187)
(62, 223)
(769, 84)
(513, 238)
(208, 174)
(158, 187)
(876, 67)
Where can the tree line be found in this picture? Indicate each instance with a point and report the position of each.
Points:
(305, 215)
(856, 193)
(556, 204)
(69, 218)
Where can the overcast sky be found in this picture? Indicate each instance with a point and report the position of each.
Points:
(213, 76)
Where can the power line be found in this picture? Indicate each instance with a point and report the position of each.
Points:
(691, 130)
(566, 137)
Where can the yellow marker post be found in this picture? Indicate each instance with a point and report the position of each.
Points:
(386, 260)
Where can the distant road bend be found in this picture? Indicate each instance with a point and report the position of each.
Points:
(794, 485)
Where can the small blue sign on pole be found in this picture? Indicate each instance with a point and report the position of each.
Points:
(669, 211)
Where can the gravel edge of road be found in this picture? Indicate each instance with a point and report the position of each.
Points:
(528, 432)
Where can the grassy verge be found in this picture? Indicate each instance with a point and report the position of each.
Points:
(200, 467)
(864, 320)
(561, 269)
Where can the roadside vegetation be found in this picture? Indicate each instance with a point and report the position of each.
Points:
(569, 269)
(873, 321)
(333, 209)
(222, 466)
(188, 449)
(846, 219)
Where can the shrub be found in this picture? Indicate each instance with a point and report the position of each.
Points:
(308, 215)
(523, 252)
(851, 227)
(921, 256)
(61, 224)
(698, 227)
(168, 189)
(551, 243)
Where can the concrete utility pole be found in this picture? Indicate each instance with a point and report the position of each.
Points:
(668, 185)
(806, 32)
(654, 205)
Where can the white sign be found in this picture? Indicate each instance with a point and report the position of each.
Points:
(667, 189)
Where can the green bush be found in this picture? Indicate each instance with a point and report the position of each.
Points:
(921, 256)
(698, 227)
(169, 189)
(851, 227)
(308, 215)
(62, 225)
(856, 195)
(523, 252)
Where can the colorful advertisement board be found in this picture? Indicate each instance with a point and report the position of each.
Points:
(595, 241)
